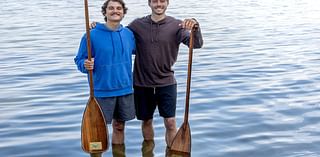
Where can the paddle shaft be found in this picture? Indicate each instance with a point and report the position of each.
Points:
(94, 132)
(86, 12)
(182, 140)
(186, 113)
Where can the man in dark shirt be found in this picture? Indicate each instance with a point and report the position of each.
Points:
(157, 39)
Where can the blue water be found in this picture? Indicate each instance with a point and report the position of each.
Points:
(255, 83)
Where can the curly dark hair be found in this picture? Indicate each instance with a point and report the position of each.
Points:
(105, 5)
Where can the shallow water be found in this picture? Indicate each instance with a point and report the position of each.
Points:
(255, 83)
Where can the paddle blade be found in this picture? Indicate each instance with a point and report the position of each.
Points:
(94, 132)
(182, 140)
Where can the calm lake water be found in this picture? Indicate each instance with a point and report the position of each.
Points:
(255, 83)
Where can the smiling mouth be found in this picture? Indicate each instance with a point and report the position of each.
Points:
(115, 14)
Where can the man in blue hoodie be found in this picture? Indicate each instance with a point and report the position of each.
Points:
(112, 49)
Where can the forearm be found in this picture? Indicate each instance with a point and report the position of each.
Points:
(80, 65)
(198, 40)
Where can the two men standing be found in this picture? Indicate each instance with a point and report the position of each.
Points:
(155, 40)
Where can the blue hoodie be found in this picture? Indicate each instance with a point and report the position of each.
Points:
(112, 52)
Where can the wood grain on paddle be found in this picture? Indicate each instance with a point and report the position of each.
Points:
(182, 140)
(94, 135)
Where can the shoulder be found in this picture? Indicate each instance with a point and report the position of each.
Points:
(173, 19)
(127, 30)
(96, 29)
(138, 21)
(141, 19)
(171, 22)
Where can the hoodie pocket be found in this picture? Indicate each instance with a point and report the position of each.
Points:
(112, 77)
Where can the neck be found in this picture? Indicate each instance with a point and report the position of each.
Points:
(112, 25)
(157, 18)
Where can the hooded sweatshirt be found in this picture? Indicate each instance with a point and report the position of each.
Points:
(112, 52)
(157, 49)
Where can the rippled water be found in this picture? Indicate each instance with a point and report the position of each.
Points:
(255, 83)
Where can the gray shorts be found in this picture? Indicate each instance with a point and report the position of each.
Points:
(120, 107)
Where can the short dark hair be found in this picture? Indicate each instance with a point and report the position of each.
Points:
(105, 5)
(150, 1)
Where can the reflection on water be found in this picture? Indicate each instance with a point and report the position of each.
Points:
(118, 150)
(95, 155)
(170, 153)
(147, 148)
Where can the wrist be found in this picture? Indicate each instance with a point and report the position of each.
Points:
(196, 25)
(195, 20)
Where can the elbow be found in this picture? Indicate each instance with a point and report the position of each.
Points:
(199, 45)
(80, 65)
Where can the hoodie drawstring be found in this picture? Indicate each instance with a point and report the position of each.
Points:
(122, 48)
(157, 32)
(112, 44)
(151, 32)
(154, 38)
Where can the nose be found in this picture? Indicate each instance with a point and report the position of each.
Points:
(113, 11)
(158, 2)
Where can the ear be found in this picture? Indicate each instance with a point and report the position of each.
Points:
(149, 3)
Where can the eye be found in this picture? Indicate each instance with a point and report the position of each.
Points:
(119, 8)
(110, 8)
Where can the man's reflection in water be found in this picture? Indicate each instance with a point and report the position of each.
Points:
(118, 150)
(170, 153)
(147, 148)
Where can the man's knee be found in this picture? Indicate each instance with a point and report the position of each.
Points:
(147, 122)
(170, 123)
(118, 126)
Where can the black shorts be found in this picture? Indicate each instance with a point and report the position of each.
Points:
(147, 99)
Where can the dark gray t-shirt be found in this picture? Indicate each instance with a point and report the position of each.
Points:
(157, 49)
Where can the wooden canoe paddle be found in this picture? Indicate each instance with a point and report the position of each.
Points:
(182, 140)
(94, 131)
